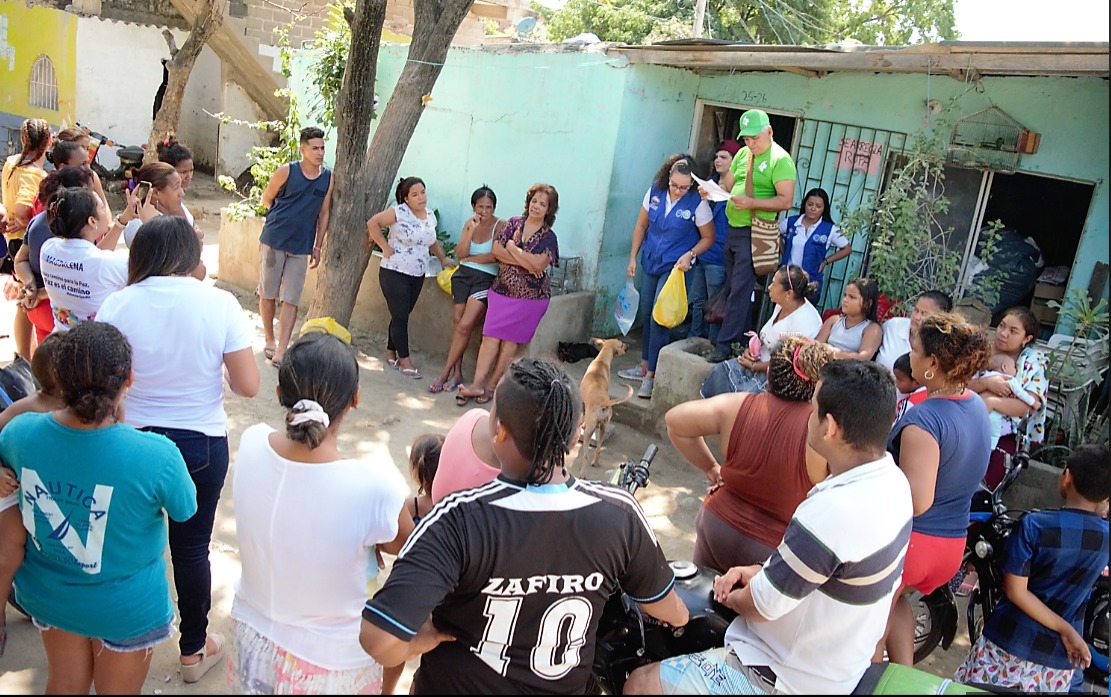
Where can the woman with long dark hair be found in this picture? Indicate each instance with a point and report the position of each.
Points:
(809, 235)
(189, 340)
(855, 332)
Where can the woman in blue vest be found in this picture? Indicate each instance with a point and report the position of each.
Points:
(709, 273)
(674, 226)
(808, 237)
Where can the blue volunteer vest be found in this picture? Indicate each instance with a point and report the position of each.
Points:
(291, 221)
(668, 236)
(815, 249)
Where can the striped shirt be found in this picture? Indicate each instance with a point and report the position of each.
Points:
(826, 591)
(519, 575)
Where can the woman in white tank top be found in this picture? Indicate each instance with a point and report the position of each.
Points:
(854, 333)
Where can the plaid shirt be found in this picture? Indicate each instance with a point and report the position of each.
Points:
(1061, 552)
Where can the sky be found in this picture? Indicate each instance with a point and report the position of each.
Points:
(1030, 20)
(1022, 20)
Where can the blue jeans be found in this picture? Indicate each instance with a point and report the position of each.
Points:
(706, 279)
(655, 336)
(741, 279)
(206, 457)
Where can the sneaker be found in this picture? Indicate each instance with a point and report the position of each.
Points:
(635, 373)
(646, 385)
(716, 356)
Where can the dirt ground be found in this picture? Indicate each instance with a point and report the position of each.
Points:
(393, 411)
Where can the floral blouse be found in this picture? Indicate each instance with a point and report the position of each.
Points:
(410, 238)
(515, 281)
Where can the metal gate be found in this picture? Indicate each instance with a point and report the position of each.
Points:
(849, 163)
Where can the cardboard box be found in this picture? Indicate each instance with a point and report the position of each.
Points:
(1048, 292)
(1044, 313)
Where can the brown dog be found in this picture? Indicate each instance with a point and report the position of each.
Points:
(597, 403)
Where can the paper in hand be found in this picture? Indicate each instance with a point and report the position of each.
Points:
(711, 187)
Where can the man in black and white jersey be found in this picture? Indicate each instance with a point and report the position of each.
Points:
(501, 587)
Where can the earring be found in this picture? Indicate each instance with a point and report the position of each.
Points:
(929, 375)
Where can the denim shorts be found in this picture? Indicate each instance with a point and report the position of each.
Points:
(143, 642)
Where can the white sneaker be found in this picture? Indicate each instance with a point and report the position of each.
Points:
(635, 373)
(646, 385)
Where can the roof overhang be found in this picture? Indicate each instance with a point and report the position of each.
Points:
(957, 58)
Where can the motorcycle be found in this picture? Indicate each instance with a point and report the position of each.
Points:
(627, 638)
(130, 158)
(980, 579)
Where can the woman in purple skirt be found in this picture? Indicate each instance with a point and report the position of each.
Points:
(525, 248)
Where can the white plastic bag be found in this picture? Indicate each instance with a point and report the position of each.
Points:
(626, 307)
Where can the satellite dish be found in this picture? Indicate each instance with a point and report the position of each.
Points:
(526, 24)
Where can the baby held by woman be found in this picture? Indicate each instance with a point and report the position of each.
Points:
(1003, 366)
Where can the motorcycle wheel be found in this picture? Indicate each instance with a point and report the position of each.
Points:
(927, 627)
(977, 613)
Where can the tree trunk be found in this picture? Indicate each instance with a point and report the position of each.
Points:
(210, 16)
(365, 176)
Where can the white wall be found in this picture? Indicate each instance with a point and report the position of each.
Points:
(119, 70)
(236, 141)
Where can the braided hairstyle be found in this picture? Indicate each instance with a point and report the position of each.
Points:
(92, 366)
(34, 137)
(960, 347)
(540, 406)
(784, 380)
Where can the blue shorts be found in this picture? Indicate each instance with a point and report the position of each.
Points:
(713, 672)
(143, 642)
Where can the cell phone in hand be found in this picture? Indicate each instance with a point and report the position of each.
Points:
(142, 190)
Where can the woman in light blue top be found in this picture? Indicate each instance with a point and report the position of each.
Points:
(94, 494)
(477, 270)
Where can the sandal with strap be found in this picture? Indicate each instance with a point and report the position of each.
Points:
(193, 673)
(487, 395)
(437, 387)
(413, 373)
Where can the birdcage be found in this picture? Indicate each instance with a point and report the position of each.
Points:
(567, 277)
(990, 139)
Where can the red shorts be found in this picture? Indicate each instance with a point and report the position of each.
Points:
(931, 561)
(42, 316)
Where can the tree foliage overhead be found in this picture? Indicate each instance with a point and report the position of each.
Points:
(786, 22)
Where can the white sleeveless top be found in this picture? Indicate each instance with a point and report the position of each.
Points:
(845, 339)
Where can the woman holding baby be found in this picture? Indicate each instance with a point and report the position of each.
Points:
(1014, 337)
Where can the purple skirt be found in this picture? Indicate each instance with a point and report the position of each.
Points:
(512, 319)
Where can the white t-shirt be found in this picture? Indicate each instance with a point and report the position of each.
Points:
(803, 233)
(804, 321)
(702, 214)
(826, 591)
(896, 340)
(132, 227)
(305, 535)
(179, 329)
(78, 277)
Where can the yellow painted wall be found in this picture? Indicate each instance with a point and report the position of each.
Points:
(25, 34)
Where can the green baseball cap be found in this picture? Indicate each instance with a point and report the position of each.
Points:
(752, 122)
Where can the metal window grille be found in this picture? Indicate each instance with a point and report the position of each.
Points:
(44, 84)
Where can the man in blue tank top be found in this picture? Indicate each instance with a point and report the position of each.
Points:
(299, 198)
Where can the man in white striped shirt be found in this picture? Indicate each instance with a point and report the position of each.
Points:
(809, 619)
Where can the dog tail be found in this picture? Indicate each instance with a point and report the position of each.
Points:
(619, 400)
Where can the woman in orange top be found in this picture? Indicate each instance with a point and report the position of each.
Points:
(768, 468)
(19, 182)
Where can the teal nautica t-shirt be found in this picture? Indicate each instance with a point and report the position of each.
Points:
(94, 505)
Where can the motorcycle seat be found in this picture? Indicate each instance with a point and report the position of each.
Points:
(130, 152)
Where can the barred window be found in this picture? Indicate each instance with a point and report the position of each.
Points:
(44, 84)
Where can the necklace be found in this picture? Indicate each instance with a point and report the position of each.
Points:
(941, 391)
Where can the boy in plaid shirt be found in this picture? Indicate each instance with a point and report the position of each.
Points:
(1032, 641)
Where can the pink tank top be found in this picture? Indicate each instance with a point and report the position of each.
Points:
(460, 468)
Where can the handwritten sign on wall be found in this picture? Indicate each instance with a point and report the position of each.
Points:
(860, 156)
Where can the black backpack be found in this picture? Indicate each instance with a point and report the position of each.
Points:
(16, 381)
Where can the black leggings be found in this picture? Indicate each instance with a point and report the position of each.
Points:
(401, 292)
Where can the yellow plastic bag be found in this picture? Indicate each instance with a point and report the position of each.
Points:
(671, 304)
(444, 278)
(328, 325)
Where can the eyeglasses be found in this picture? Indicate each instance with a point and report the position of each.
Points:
(677, 187)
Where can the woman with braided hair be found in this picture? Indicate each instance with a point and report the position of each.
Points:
(99, 597)
(768, 468)
(490, 619)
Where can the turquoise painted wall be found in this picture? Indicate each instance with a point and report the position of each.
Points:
(597, 129)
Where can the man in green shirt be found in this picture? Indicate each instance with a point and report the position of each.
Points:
(773, 190)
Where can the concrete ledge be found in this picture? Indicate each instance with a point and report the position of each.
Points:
(568, 317)
(1036, 487)
(680, 371)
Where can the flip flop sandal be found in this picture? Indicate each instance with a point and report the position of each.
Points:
(393, 362)
(487, 395)
(462, 399)
(453, 385)
(437, 387)
(269, 352)
(412, 373)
